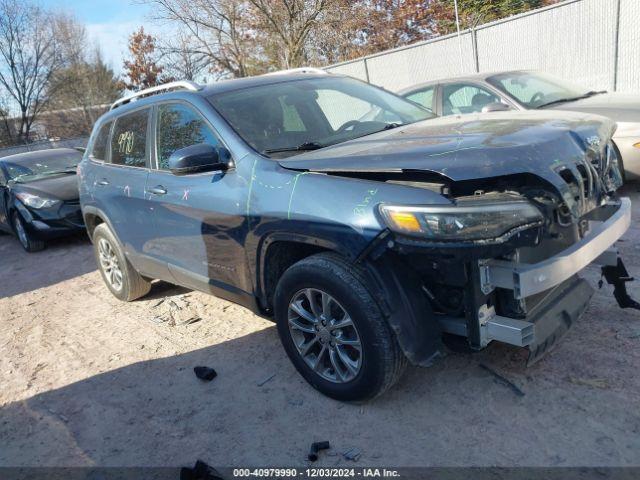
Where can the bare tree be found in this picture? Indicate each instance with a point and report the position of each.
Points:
(287, 27)
(248, 37)
(6, 123)
(220, 30)
(182, 59)
(83, 84)
(28, 58)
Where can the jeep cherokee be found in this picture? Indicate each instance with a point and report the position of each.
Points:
(366, 227)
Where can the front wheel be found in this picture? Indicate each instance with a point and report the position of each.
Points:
(333, 330)
(28, 242)
(124, 282)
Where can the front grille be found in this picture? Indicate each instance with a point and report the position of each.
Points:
(586, 179)
(585, 185)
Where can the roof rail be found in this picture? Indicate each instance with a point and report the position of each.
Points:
(299, 70)
(167, 87)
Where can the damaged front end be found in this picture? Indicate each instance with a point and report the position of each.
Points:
(504, 212)
(502, 261)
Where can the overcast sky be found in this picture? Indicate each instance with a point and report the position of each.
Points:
(109, 23)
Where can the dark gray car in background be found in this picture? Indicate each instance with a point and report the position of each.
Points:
(39, 197)
(530, 90)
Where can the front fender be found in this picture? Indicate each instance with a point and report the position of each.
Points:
(406, 308)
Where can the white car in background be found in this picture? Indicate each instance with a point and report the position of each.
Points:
(527, 90)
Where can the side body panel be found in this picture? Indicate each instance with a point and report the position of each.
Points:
(200, 230)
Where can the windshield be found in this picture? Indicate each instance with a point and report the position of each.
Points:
(287, 118)
(534, 90)
(29, 169)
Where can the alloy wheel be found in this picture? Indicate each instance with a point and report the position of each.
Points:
(110, 264)
(324, 335)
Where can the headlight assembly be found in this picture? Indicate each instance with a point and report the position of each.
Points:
(34, 201)
(467, 221)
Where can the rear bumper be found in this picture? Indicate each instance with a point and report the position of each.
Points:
(611, 222)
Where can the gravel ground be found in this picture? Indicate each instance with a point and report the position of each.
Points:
(87, 380)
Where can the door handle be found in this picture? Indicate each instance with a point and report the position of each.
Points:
(103, 182)
(157, 190)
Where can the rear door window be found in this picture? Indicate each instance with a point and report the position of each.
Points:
(129, 140)
(99, 148)
(180, 126)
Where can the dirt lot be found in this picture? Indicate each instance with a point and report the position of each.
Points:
(88, 380)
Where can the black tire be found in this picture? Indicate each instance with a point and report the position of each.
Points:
(382, 360)
(28, 242)
(132, 285)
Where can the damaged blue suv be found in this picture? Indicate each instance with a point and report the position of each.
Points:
(367, 228)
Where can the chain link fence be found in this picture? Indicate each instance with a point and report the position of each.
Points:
(593, 42)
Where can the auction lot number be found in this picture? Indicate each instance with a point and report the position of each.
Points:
(315, 473)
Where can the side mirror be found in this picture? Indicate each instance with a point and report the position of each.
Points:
(197, 158)
(495, 107)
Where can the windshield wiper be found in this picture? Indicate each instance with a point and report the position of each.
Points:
(573, 99)
(307, 146)
(388, 126)
(300, 148)
(57, 172)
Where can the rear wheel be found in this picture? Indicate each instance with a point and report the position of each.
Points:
(28, 242)
(333, 330)
(124, 282)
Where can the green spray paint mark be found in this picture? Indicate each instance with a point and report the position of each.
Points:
(253, 176)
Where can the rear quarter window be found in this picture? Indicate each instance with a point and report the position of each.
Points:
(99, 147)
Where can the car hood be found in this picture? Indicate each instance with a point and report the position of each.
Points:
(466, 147)
(60, 187)
(621, 107)
(471, 147)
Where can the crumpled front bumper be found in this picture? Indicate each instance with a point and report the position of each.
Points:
(566, 296)
(610, 223)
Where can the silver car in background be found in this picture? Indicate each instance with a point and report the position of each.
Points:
(526, 90)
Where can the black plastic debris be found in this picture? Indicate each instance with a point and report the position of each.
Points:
(353, 454)
(618, 276)
(200, 471)
(266, 379)
(315, 449)
(205, 373)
